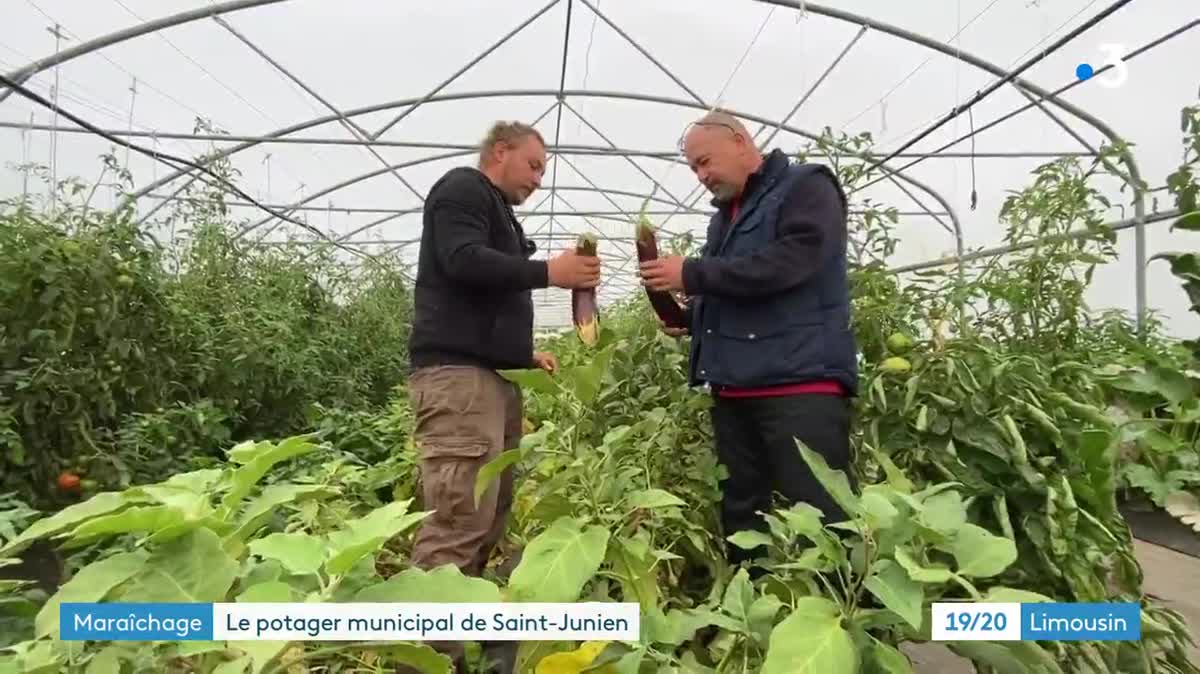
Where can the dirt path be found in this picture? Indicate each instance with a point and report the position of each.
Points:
(1172, 577)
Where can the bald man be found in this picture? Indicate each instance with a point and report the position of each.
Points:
(769, 320)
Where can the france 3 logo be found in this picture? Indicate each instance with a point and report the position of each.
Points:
(1114, 60)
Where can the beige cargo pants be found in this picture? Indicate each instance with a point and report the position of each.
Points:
(465, 417)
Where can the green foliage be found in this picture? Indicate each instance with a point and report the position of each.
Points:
(124, 361)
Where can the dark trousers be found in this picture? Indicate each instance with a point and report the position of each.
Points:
(756, 442)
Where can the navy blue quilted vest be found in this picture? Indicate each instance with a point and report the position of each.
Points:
(800, 335)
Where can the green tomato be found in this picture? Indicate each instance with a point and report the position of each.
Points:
(895, 365)
(899, 343)
(125, 281)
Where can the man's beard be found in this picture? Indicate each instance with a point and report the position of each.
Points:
(511, 196)
(723, 191)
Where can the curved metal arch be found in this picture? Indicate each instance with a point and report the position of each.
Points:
(1026, 88)
(954, 229)
(955, 53)
(22, 74)
(516, 93)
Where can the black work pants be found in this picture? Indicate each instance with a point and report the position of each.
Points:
(756, 442)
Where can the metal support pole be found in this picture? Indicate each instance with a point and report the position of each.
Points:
(562, 85)
(132, 102)
(657, 184)
(25, 140)
(1117, 225)
(804, 99)
(346, 183)
(597, 150)
(382, 130)
(350, 126)
(56, 31)
(698, 192)
(22, 74)
(291, 130)
(667, 71)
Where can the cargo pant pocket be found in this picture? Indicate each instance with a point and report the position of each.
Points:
(448, 472)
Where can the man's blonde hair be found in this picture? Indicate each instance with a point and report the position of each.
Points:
(508, 133)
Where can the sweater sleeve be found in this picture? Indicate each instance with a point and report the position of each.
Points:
(812, 224)
(460, 237)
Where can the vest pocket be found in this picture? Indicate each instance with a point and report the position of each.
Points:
(764, 344)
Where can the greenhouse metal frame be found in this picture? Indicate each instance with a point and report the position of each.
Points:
(659, 201)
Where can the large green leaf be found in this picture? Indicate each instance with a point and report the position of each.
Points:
(803, 519)
(1012, 657)
(532, 379)
(298, 553)
(257, 459)
(444, 584)
(108, 660)
(633, 563)
(681, 625)
(739, 596)
(260, 654)
(130, 520)
(1189, 221)
(91, 584)
(197, 481)
(272, 592)
(178, 496)
(261, 507)
(877, 509)
(1008, 595)
(834, 481)
(586, 380)
(761, 617)
(1098, 453)
(1172, 385)
(366, 534)
(100, 504)
(749, 539)
(557, 562)
(38, 657)
(654, 498)
(191, 568)
(895, 477)
(901, 594)
(887, 659)
(493, 469)
(811, 640)
(420, 656)
(980, 553)
(920, 573)
(944, 512)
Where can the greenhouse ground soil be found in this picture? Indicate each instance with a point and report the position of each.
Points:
(1156, 526)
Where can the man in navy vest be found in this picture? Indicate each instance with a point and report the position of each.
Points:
(770, 321)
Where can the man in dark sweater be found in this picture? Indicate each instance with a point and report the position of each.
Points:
(473, 316)
(769, 319)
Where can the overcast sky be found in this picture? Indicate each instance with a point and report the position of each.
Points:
(749, 56)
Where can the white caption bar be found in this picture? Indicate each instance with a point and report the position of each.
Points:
(425, 622)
